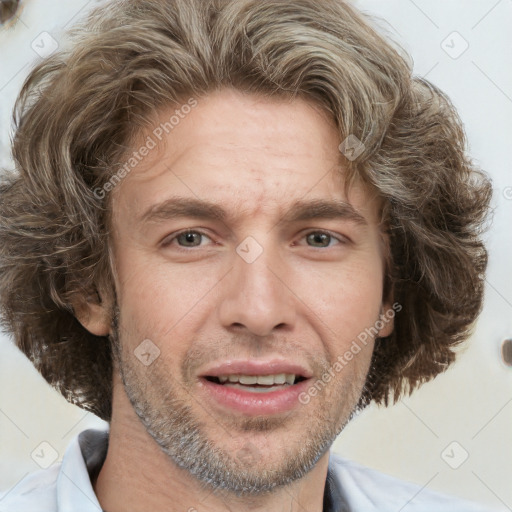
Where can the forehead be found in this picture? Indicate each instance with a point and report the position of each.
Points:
(256, 154)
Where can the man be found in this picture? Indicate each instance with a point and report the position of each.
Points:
(234, 224)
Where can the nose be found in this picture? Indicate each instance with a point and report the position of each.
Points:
(257, 297)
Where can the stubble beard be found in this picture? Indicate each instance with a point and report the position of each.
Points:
(184, 438)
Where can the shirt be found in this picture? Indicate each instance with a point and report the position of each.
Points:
(350, 487)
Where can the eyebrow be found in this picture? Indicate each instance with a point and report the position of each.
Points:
(323, 209)
(301, 210)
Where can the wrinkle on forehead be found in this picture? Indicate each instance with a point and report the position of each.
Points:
(257, 153)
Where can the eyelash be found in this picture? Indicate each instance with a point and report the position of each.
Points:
(167, 241)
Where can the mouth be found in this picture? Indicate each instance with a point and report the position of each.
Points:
(257, 383)
(253, 387)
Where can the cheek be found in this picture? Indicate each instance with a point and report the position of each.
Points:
(347, 300)
(158, 300)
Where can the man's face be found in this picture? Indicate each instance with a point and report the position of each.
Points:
(238, 253)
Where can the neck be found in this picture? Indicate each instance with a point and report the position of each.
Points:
(138, 475)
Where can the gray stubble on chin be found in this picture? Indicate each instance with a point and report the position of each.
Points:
(172, 425)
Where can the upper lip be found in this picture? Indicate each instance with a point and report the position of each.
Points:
(255, 367)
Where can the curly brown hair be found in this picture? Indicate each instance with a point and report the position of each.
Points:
(80, 109)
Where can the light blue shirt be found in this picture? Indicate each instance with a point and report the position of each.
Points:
(350, 487)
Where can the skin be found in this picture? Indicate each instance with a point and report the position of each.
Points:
(304, 299)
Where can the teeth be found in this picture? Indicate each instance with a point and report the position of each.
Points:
(290, 378)
(265, 380)
(254, 389)
(281, 378)
(247, 379)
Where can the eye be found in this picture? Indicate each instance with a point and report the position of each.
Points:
(187, 238)
(321, 239)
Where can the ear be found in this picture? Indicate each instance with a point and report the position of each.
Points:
(387, 317)
(94, 314)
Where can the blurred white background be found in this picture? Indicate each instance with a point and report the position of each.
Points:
(454, 434)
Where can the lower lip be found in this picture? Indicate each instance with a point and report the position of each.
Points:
(255, 404)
